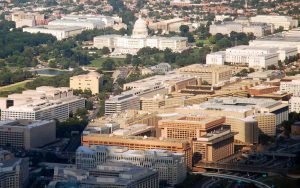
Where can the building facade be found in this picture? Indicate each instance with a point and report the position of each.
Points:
(14, 173)
(60, 32)
(110, 175)
(286, 22)
(139, 39)
(212, 74)
(292, 87)
(140, 143)
(91, 81)
(26, 134)
(171, 167)
(44, 103)
(214, 146)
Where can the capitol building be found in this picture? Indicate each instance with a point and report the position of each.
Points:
(139, 39)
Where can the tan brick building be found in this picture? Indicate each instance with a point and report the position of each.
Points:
(91, 81)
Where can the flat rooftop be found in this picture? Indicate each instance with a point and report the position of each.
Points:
(23, 123)
(55, 28)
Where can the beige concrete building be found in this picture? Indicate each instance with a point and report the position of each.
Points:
(130, 100)
(171, 25)
(160, 102)
(264, 121)
(213, 147)
(286, 22)
(26, 134)
(91, 81)
(246, 128)
(172, 81)
(241, 112)
(212, 74)
(188, 127)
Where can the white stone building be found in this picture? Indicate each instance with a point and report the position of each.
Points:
(60, 32)
(171, 167)
(292, 87)
(255, 57)
(139, 39)
(294, 104)
(286, 22)
(44, 103)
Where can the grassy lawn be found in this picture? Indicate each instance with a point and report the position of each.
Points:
(13, 87)
(203, 41)
(98, 62)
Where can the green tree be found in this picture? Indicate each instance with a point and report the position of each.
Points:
(105, 50)
(184, 29)
(108, 64)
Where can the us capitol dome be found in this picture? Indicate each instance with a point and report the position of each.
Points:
(139, 39)
(140, 29)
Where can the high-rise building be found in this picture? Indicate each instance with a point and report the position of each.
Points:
(26, 134)
(171, 167)
(91, 81)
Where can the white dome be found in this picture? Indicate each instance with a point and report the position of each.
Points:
(140, 28)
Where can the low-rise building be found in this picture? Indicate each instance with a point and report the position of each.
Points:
(14, 172)
(122, 102)
(140, 143)
(282, 40)
(26, 134)
(171, 25)
(212, 74)
(262, 89)
(121, 175)
(251, 56)
(189, 127)
(292, 87)
(213, 146)
(294, 104)
(91, 81)
(271, 113)
(60, 31)
(44, 103)
(28, 19)
(84, 21)
(286, 22)
(172, 81)
(171, 167)
(256, 29)
(139, 39)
